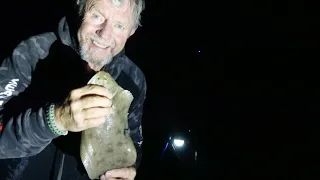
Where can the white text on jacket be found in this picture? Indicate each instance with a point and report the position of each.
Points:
(10, 87)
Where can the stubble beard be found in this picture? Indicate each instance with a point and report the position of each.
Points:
(94, 63)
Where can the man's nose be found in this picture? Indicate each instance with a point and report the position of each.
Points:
(105, 31)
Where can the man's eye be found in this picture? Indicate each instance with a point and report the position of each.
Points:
(119, 26)
(97, 18)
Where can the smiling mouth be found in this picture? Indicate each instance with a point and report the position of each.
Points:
(99, 45)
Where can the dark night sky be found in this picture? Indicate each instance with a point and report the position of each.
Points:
(251, 97)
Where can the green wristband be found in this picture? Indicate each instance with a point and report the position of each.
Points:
(51, 122)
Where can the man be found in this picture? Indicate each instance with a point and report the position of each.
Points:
(45, 102)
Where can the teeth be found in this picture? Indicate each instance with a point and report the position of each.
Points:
(99, 45)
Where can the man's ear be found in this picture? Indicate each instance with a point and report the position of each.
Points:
(133, 31)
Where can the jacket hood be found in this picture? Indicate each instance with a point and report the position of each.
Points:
(64, 33)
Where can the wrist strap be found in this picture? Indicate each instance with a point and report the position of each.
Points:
(51, 122)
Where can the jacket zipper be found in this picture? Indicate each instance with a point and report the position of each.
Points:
(61, 168)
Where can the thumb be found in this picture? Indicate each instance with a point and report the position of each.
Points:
(103, 177)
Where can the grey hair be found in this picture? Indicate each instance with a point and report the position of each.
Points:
(139, 7)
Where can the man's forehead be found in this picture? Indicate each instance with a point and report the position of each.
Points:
(121, 5)
(117, 3)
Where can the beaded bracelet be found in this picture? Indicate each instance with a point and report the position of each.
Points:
(51, 122)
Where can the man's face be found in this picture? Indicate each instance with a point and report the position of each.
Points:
(104, 31)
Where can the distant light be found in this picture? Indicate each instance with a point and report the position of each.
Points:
(199, 51)
(178, 142)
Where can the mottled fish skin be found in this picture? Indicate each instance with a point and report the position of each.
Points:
(108, 146)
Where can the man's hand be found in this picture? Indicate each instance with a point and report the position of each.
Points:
(85, 108)
(123, 174)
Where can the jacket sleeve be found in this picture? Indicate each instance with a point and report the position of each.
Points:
(25, 132)
(135, 123)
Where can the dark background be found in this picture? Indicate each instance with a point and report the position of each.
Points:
(250, 97)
